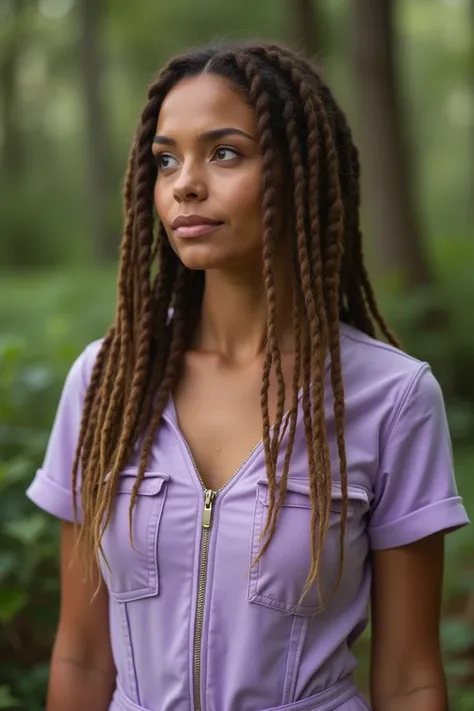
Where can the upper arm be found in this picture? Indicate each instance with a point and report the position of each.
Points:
(83, 633)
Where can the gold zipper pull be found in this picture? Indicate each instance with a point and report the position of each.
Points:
(207, 515)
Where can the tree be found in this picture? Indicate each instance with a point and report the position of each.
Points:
(18, 228)
(471, 80)
(98, 153)
(305, 20)
(387, 161)
(12, 154)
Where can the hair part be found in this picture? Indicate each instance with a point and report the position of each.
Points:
(139, 362)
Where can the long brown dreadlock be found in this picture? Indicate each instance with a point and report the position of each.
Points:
(140, 358)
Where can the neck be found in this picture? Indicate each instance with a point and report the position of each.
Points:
(233, 319)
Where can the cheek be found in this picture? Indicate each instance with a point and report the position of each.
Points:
(244, 198)
(162, 207)
(159, 200)
(165, 204)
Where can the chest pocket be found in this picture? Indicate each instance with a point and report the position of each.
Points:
(132, 573)
(277, 580)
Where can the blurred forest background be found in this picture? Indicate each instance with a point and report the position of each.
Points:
(73, 78)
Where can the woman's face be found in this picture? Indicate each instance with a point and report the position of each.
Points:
(208, 191)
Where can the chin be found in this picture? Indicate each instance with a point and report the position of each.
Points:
(202, 257)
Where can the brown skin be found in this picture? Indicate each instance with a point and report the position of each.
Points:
(82, 668)
(407, 672)
(227, 356)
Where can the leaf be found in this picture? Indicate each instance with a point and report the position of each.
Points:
(8, 563)
(11, 349)
(462, 699)
(12, 600)
(6, 699)
(457, 635)
(16, 471)
(27, 530)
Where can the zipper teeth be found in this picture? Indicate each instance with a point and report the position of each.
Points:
(199, 620)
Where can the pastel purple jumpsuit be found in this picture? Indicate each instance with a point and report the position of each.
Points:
(193, 626)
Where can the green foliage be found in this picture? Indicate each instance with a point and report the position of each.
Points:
(28, 550)
(47, 333)
(50, 319)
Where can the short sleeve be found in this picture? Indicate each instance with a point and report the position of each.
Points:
(415, 490)
(51, 488)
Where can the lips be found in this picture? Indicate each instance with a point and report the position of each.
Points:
(192, 221)
(194, 225)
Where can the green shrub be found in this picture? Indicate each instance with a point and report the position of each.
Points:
(49, 320)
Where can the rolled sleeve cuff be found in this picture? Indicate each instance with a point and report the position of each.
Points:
(52, 498)
(446, 515)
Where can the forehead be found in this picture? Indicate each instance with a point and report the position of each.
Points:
(204, 102)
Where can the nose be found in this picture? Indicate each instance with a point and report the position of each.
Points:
(190, 185)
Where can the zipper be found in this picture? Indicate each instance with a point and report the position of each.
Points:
(209, 498)
(210, 495)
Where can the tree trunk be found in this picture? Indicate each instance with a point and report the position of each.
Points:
(16, 247)
(305, 23)
(471, 81)
(12, 153)
(98, 153)
(385, 155)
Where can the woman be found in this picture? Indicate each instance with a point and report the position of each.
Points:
(235, 575)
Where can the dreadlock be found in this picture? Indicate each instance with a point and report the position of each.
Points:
(140, 358)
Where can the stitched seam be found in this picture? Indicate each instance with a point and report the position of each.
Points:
(288, 504)
(379, 345)
(292, 662)
(278, 604)
(253, 578)
(275, 603)
(151, 556)
(129, 651)
(299, 651)
(192, 616)
(398, 409)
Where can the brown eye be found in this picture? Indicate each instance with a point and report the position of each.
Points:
(164, 160)
(225, 153)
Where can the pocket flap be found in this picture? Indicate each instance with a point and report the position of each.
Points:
(150, 485)
(298, 493)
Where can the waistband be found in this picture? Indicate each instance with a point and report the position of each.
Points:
(330, 699)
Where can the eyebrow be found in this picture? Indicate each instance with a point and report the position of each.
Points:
(213, 135)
